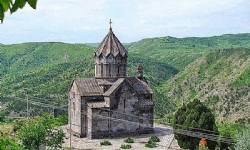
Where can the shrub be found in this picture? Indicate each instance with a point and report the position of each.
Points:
(194, 117)
(129, 140)
(242, 142)
(154, 138)
(38, 130)
(8, 144)
(125, 146)
(19, 123)
(105, 143)
(150, 144)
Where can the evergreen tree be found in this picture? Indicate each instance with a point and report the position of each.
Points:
(192, 117)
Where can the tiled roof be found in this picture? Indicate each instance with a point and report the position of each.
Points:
(140, 86)
(88, 87)
(92, 86)
(111, 45)
(114, 87)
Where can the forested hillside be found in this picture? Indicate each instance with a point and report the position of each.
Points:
(179, 52)
(184, 54)
(221, 79)
(44, 71)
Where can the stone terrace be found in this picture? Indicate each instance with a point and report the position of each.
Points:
(165, 133)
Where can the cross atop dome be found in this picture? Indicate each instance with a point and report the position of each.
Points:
(111, 45)
(110, 28)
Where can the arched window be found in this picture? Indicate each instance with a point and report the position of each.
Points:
(124, 103)
(101, 70)
(118, 69)
(110, 70)
(74, 108)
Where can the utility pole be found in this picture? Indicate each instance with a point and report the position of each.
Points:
(27, 101)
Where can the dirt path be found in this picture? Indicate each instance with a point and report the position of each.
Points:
(165, 133)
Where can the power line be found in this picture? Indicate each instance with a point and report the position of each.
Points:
(141, 117)
(34, 102)
(48, 99)
(116, 120)
(213, 137)
(45, 106)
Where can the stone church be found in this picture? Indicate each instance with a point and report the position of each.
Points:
(110, 104)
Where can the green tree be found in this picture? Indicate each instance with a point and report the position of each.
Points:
(13, 5)
(39, 131)
(243, 140)
(2, 115)
(32, 134)
(194, 117)
(8, 144)
(229, 131)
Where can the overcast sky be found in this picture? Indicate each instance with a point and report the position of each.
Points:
(87, 21)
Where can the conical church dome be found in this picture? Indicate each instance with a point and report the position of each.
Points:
(111, 45)
(110, 58)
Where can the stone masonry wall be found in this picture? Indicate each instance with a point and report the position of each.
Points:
(75, 110)
(146, 119)
(125, 117)
(100, 123)
(125, 111)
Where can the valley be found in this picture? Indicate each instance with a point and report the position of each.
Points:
(212, 69)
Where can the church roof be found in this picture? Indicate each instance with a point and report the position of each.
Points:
(111, 45)
(92, 86)
(140, 86)
(88, 87)
(114, 87)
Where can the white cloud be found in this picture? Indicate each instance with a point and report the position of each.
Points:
(87, 20)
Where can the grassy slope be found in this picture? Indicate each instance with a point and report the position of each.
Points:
(220, 79)
(43, 70)
(33, 65)
(179, 52)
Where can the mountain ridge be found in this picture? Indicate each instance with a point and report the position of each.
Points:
(220, 79)
(45, 69)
